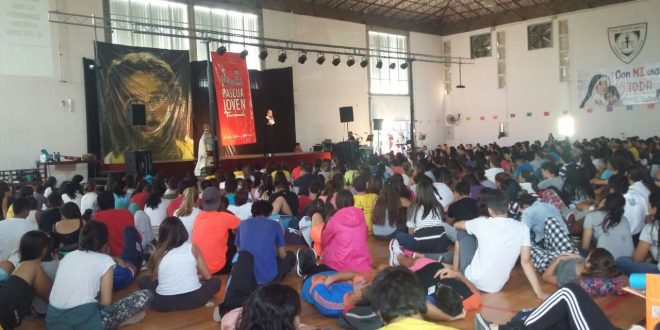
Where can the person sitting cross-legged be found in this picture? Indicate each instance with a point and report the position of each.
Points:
(264, 239)
(174, 265)
(81, 297)
(212, 231)
(501, 241)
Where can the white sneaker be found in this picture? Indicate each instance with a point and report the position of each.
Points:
(216, 314)
(395, 251)
(479, 323)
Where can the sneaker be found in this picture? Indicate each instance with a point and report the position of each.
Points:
(480, 323)
(216, 314)
(395, 251)
(304, 256)
(299, 253)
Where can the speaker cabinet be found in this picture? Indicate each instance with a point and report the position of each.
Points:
(346, 114)
(378, 124)
(138, 162)
(137, 115)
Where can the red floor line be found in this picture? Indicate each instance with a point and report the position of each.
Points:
(614, 302)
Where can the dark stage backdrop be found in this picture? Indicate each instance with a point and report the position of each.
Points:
(270, 89)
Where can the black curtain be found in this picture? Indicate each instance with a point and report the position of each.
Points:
(270, 89)
(91, 107)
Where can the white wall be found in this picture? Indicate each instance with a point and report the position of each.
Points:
(319, 90)
(32, 117)
(428, 89)
(533, 79)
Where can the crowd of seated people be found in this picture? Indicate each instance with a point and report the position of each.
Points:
(581, 215)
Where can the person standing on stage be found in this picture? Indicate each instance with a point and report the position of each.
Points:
(269, 136)
(350, 136)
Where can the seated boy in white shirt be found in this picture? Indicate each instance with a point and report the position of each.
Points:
(501, 241)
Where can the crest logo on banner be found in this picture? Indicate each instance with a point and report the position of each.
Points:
(627, 41)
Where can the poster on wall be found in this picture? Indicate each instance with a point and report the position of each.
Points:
(619, 86)
(25, 38)
(160, 80)
(232, 88)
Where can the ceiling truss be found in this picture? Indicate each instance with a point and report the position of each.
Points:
(441, 17)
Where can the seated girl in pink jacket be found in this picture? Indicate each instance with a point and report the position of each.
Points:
(344, 238)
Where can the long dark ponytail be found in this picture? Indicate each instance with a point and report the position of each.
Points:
(613, 208)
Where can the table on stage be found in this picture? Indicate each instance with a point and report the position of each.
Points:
(65, 162)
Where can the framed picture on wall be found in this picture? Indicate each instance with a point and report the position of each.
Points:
(481, 45)
(539, 36)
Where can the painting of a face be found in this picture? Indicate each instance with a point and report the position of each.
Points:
(602, 87)
(146, 88)
(269, 113)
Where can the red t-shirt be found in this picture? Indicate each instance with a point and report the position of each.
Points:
(140, 199)
(116, 221)
(295, 173)
(210, 234)
(303, 202)
(174, 205)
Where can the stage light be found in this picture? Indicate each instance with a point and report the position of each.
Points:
(379, 64)
(243, 54)
(392, 65)
(350, 61)
(404, 65)
(221, 50)
(364, 62)
(282, 56)
(320, 59)
(336, 60)
(263, 54)
(302, 58)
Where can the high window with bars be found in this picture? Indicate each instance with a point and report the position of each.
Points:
(152, 12)
(241, 26)
(385, 80)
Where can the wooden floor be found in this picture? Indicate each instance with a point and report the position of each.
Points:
(623, 311)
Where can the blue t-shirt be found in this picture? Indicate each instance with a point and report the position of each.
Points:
(523, 167)
(328, 300)
(122, 202)
(260, 236)
(606, 175)
(230, 198)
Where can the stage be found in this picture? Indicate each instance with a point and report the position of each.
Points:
(229, 163)
(290, 159)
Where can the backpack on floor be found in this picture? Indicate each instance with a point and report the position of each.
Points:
(360, 318)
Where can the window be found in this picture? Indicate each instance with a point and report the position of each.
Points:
(130, 13)
(153, 12)
(231, 22)
(386, 80)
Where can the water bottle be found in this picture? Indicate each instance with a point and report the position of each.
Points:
(638, 281)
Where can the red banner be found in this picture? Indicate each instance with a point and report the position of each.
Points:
(232, 88)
